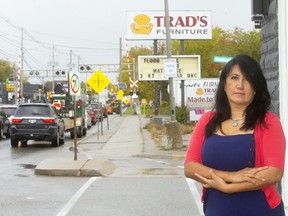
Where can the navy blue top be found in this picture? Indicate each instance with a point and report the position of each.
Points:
(233, 153)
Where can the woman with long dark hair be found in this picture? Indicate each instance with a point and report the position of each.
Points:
(237, 150)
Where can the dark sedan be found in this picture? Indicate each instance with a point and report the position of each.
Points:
(39, 122)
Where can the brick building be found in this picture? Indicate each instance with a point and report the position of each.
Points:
(271, 17)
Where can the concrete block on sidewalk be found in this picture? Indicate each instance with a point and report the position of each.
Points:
(95, 167)
(60, 167)
(70, 167)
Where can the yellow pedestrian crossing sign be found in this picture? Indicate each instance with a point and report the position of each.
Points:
(98, 81)
(120, 94)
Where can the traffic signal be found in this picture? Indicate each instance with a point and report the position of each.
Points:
(58, 73)
(85, 68)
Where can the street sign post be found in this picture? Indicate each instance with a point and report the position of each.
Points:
(74, 83)
(74, 89)
(98, 81)
(222, 59)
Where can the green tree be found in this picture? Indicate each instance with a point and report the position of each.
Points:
(223, 43)
(7, 70)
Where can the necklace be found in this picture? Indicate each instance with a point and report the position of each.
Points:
(235, 121)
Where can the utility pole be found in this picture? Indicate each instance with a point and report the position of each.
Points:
(182, 81)
(120, 71)
(174, 136)
(168, 44)
(21, 68)
(156, 98)
(53, 72)
(70, 60)
(135, 101)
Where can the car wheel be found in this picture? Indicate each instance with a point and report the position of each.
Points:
(72, 133)
(14, 142)
(24, 143)
(55, 140)
(1, 132)
(79, 131)
(62, 139)
(8, 133)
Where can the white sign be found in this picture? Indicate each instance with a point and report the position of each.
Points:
(74, 83)
(184, 25)
(199, 95)
(152, 67)
(170, 68)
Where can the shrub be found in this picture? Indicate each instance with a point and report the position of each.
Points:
(181, 115)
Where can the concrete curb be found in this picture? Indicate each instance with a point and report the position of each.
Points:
(70, 167)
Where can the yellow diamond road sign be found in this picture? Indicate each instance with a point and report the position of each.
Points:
(120, 94)
(98, 81)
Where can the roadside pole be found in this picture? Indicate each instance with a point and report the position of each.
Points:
(168, 44)
(98, 81)
(74, 89)
(75, 130)
(174, 136)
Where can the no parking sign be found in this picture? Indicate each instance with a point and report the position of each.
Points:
(74, 83)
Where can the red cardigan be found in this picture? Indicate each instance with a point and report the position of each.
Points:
(269, 148)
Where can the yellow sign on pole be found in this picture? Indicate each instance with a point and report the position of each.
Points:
(98, 81)
(120, 94)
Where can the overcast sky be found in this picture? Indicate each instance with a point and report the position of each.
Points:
(91, 28)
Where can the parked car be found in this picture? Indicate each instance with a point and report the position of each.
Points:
(92, 115)
(109, 109)
(88, 122)
(9, 110)
(116, 107)
(4, 125)
(39, 122)
(99, 110)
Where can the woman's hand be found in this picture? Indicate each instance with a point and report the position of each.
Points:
(215, 182)
(246, 175)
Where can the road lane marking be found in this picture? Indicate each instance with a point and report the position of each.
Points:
(196, 195)
(64, 211)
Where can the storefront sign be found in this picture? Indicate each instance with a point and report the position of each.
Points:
(150, 25)
(152, 67)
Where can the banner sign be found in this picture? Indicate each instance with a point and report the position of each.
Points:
(199, 95)
(152, 67)
(184, 25)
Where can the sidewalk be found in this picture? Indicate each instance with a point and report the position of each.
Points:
(131, 138)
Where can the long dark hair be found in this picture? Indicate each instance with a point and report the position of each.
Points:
(256, 110)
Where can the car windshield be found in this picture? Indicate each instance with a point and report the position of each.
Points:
(9, 111)
(32, 111)
(94, 106)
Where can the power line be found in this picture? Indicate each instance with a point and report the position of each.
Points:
(58, 48)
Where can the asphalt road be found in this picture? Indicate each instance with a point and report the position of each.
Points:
(141, 185)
